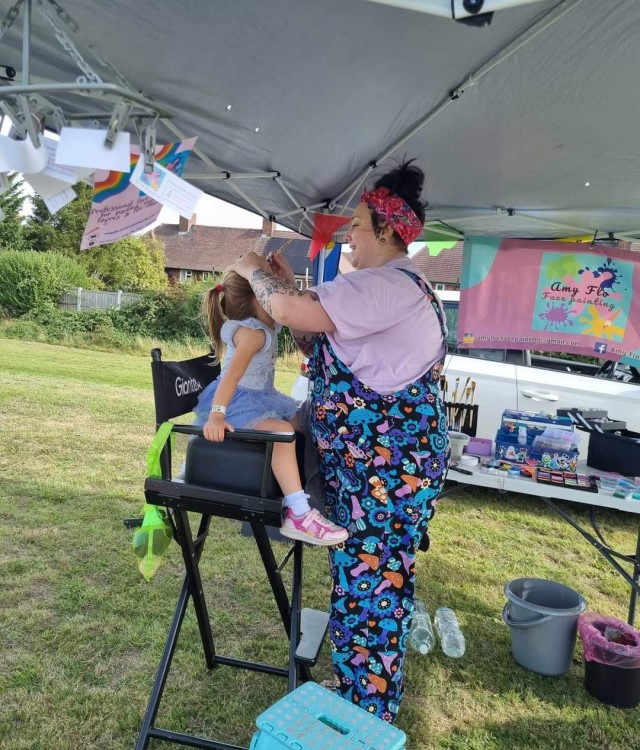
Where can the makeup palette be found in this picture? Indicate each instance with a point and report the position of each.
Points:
(567, 479)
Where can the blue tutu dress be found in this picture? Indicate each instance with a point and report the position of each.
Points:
(256, 398)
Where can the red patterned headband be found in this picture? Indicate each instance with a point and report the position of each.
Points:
(395, 211)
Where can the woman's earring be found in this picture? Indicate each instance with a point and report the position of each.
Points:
(382, 240)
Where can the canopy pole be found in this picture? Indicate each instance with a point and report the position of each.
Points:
(301, 210)
(26, 43)
(215, 168)
(435, 227)
(551, 223)
(287, 192)
(223, 175)
(353, 187)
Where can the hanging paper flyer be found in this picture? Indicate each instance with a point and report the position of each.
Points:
(119, 208)
(167, 188)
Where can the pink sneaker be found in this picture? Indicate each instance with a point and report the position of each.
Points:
(312, 528)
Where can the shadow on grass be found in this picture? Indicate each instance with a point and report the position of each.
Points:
(516, 505)
(608, 731)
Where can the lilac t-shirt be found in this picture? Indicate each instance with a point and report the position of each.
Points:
(387, 331)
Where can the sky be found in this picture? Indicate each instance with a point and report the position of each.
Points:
(213, 212)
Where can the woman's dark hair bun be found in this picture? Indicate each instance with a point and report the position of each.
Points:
(407, 181)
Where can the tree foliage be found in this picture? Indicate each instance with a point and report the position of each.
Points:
(133, 264)
(11, 203)
(29, 280)
(60, 232)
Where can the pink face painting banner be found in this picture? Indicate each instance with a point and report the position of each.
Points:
(550, 296)
(119, 209)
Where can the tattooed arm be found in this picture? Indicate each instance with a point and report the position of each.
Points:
(282, 299)
(304, 341)
(286, 304)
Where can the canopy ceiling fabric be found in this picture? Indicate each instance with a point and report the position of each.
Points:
(329, 85)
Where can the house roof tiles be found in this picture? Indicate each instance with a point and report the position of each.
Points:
(444, 268)
(205, 248)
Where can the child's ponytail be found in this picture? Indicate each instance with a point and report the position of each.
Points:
(233, 299)
(212, 310)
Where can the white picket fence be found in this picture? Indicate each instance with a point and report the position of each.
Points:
(85, 299)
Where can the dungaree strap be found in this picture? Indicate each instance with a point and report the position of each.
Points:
(432, 298)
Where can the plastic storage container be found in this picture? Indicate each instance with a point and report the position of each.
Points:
(313, 718)
(479, 446)
(611, 452)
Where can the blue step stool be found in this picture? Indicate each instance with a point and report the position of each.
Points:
(313, 718)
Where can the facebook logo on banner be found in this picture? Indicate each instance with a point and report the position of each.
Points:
(600, 347)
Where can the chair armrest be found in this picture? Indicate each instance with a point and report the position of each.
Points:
(255, 436)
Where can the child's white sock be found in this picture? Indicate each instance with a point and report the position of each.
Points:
(298, 502)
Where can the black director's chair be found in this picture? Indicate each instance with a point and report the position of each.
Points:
(232, 479)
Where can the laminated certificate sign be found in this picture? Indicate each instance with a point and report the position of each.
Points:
(167, 188)
(550, 296)
(120, 208)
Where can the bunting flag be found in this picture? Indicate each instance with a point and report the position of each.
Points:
(328, 269)
(324, 227)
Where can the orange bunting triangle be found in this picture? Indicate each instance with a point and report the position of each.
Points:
(324, 227)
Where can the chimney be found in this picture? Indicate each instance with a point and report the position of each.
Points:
(185, 224)
(267, 228)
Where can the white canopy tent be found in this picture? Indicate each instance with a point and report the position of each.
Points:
(526, 127)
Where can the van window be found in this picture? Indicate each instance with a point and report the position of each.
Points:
(451, 313)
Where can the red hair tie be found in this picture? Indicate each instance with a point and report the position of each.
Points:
(219, 288)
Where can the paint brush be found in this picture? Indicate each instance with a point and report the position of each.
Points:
(281, 249)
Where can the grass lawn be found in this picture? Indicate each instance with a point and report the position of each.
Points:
(81, 632)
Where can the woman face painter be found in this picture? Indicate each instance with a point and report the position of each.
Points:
(376, 342)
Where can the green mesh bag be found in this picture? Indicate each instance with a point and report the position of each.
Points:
(151, 541)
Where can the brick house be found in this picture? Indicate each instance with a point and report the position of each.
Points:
(443, 270)
(195, 252)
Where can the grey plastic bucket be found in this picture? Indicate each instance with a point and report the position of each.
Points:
(543, 617)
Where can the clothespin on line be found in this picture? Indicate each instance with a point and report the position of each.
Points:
(119, 117)
(24, 121)
(149, 147)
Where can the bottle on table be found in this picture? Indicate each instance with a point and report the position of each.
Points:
(449, 633)
(421, 635)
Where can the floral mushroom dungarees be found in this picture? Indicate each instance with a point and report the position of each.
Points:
(383, 459)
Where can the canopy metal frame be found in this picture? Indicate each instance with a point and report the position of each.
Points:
(31, 102)
(28, 107)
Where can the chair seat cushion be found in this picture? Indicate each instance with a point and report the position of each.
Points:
(231, 466)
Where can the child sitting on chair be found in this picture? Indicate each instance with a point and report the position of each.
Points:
(244, 396)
